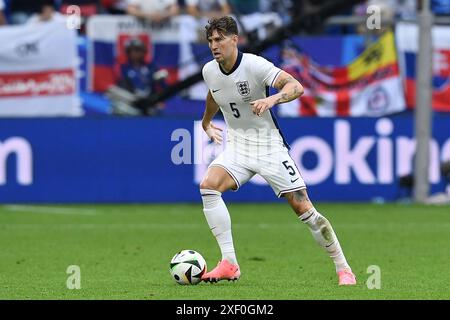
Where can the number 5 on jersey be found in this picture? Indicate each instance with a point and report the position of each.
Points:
(235, 110)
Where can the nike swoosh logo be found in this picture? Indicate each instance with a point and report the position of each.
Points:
(294, 180)
(215, 90)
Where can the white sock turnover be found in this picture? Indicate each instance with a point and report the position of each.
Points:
(325, 236)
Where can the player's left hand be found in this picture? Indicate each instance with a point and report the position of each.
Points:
(261, 105)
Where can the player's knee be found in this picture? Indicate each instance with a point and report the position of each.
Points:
(209, 184)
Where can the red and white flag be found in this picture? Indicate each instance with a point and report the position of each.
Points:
(38, 66)
(368, 86)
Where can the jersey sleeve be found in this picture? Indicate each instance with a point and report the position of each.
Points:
(205, 74)
(265, 71)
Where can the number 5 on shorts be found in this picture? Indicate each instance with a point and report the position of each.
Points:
(289, 168)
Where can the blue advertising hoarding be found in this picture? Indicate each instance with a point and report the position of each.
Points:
(111, 160)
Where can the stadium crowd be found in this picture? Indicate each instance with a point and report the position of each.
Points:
(20, 11)
(139, 75)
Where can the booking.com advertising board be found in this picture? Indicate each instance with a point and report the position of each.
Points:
(162, 160)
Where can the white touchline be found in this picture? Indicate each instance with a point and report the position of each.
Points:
(51, 210)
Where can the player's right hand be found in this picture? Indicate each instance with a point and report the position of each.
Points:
(214, 133)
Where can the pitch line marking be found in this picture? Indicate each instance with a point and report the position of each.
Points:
(50, 210)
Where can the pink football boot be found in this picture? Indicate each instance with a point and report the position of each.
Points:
(346, 277)
(224, 271)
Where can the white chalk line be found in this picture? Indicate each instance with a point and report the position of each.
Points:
(50, 210)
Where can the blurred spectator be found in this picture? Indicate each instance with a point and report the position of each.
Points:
(137, 75)
(387, 8)
(245, 6)
(157, 11)
(2, 15)
(207, 8)
(80, 2)
(283, 8)
(254, 22)
(138, 79)
(407, 9)
(21, 10)
(390, 10)
(46, 14)
(87, 7)
(115, 6)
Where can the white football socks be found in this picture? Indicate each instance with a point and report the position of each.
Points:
(219, 221)
(324, 235)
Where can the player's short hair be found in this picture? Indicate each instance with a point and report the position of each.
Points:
(224, 25)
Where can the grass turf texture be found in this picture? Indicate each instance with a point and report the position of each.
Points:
(124, 251)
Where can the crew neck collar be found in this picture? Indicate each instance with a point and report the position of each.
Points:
(236, 65)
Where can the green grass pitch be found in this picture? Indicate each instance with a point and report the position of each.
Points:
(124, 251)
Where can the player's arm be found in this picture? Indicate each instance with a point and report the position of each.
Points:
(289, 89)
(213, 132)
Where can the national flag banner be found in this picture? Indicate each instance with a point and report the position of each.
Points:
(169, 46)
(407, 35)
(369, 86)
(38, 71)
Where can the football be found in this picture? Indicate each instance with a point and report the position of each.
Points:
(187, 267)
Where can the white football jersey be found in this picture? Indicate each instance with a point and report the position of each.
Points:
(248, 80)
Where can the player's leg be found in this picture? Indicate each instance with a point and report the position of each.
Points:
(280, 171)
(322, 231)
(222, 175)
(216, 181)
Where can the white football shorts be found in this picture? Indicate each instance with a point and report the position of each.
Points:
(277, 168)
